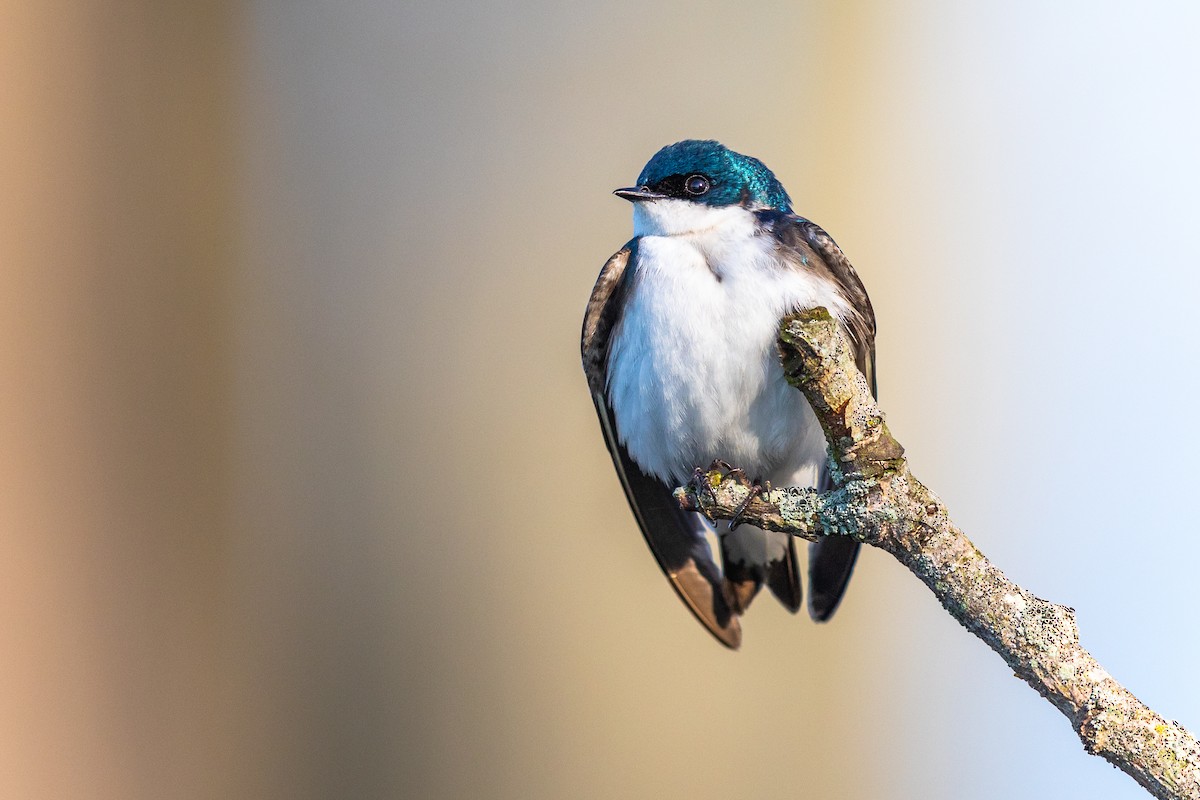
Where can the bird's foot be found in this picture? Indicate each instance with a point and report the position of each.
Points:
(703, 482)
(757, 489)
(709, 480)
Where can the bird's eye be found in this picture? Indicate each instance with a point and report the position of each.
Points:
(696, 185)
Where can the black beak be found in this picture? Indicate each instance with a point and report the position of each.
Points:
(637, 193)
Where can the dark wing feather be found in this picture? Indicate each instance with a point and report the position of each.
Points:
(676, 537)
(830, 561)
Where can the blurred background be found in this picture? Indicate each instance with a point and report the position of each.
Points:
(302, 494)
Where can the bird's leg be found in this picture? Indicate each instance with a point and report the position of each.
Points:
(757, 489)
(702, 483)
(757, 486)
(700, 476)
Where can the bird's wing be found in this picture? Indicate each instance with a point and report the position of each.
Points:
(676, 537)
(831, 561)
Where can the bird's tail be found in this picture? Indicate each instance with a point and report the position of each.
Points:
(751, 557)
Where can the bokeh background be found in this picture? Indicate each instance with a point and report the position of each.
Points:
(301, 491)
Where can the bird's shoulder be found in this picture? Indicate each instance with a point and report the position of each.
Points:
(808, 244)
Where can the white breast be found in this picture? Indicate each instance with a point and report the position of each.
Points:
(693, 370)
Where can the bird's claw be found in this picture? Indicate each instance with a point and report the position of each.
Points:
(757, 489)
(727, 470)
(706, 481)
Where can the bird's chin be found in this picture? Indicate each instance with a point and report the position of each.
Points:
(672, 217)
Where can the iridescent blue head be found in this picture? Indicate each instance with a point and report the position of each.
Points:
(708, 172)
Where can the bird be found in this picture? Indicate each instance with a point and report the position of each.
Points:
(679, 350)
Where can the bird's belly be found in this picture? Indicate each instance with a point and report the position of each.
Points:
(764, 426)
(694, 376)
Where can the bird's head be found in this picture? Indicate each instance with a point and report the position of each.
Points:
(707, 173)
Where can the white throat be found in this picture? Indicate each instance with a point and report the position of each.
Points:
(676, 217)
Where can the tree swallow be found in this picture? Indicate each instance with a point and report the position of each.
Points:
(680, 355)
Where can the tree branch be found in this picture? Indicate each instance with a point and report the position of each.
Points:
(877, 500)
